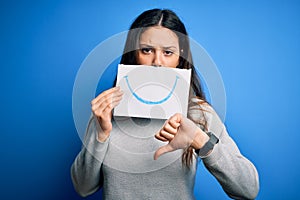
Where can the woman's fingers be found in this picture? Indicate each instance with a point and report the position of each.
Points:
(164, 136)
(170, 128)
(157, 136)
(108, 101)
(174, 122)
(167, 132)
(108, 109)
(102, 107)
(169, 136)
(105, 93)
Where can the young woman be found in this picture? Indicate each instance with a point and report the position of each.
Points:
(159, 38)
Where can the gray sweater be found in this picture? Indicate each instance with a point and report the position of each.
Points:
(124, 167)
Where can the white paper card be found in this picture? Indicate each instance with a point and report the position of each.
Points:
(152, 92)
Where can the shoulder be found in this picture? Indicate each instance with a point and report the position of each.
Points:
(198, 109)
(202, 113)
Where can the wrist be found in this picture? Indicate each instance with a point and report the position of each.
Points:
(102, 137)
(102, 134)
(200, 139)
(208, 146)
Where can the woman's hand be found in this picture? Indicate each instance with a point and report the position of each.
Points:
(102, 107)
(181, 133)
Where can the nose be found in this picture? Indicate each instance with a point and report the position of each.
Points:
(157, 59)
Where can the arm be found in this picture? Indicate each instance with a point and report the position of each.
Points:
(236, 174)
(86, 169)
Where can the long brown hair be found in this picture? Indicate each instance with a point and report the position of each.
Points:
(168, 19)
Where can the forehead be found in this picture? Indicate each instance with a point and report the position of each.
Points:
(159, 36)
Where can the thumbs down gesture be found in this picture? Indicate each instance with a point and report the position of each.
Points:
(180, 133)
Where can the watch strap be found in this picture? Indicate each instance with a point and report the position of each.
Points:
(208, 146)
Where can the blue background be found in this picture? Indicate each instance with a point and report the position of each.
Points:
(255, 45)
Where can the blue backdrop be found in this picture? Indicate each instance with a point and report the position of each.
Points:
(255, 45)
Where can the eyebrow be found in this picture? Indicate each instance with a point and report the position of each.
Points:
(166, 47)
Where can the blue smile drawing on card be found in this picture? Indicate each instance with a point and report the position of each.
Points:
(148, 101)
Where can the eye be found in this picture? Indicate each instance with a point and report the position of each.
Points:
(168, 52)
(146, 50)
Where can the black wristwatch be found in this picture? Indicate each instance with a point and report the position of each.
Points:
(209, 145)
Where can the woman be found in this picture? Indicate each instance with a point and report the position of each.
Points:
(158, 38)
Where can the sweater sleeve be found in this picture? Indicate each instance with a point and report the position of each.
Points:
(236, 174)
(86, 169)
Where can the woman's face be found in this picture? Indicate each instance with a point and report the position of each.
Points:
(158, 46)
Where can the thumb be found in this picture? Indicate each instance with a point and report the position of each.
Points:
(162, 150)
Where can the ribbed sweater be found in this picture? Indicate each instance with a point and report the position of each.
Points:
(123, 165)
